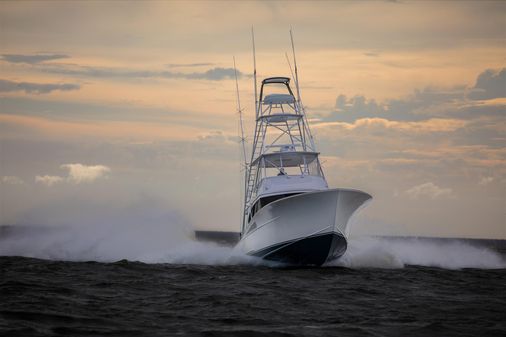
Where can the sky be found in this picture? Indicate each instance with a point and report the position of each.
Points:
(126, 111)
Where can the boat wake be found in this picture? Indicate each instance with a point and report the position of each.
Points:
(175, 245)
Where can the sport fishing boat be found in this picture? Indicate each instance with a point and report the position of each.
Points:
(290, 215)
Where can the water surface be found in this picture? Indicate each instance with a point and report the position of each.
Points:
(58, 298)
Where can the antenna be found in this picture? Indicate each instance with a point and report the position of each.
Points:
(254, 70)
(239, 111)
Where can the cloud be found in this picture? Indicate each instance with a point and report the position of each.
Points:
(424, 126)
(212, 135)
(12, 180)
(35, 88)
(358, 106)
(188, 65)
(32, 59)
(428, 102)
(430, 190)
(79, 173)
(489, 85)
(49, 180)
(213, 74)
(485, 181)
(422, 104)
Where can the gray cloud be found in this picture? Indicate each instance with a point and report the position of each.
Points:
(188, 65)
(490, 84)
(427, 103)
(32, 59)
(415, 107)
(36, 88)
(356, 107)
(213, 74)
(429, 190)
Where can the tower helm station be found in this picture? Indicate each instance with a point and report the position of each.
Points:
(284, 160)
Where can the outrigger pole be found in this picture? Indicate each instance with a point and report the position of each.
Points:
(239, 111)
(257, 108)
(295, 64)
(298, 92)
(289, 64)
(243, 141)
(254, 70)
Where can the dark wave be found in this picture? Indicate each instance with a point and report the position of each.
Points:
(54, 298)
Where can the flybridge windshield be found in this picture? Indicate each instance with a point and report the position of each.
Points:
(288, 163)
(286, 159)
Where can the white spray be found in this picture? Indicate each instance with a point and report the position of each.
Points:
(153, 242)
(375, 252)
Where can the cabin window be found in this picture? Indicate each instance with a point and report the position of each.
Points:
(262, 202)
(267, 200)
(256, 207)
(252, 227)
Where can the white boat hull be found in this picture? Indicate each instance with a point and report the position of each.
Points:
(304, 229)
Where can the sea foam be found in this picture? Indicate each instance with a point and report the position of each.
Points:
(175, 244)
(378, 252)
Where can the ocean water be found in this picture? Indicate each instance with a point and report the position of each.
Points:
(89, 286)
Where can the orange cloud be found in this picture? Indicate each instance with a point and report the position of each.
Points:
(430, 125)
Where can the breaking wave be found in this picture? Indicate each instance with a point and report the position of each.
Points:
(110, 243)
(175, 244)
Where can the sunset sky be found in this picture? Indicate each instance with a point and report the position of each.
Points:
(126, 112)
